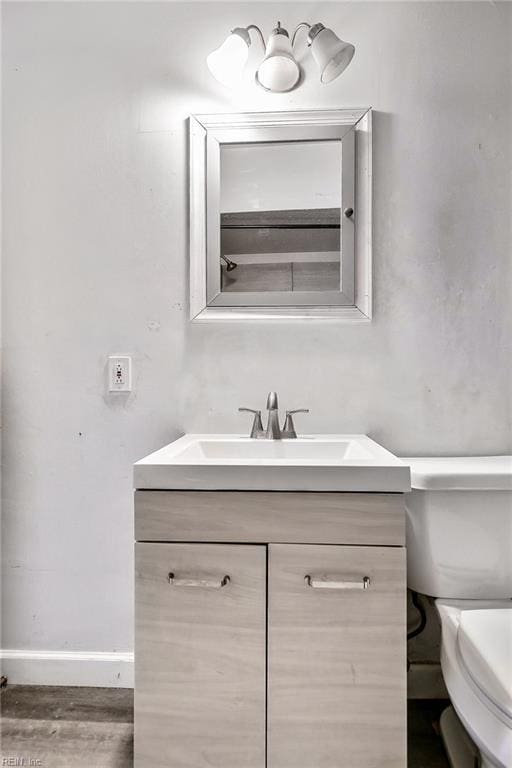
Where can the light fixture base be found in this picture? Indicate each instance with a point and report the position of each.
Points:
(243, 33)
(279, 30)
(314, 31)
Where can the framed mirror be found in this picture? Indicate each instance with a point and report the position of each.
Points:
(280, 214)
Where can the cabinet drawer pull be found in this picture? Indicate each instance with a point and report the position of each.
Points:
(206, 582)
(324, 582)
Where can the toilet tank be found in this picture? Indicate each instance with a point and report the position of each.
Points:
(459, 527)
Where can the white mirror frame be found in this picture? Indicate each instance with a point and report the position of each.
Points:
(210, 130)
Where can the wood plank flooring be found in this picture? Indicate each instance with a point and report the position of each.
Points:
(57, 727)
(67, 727)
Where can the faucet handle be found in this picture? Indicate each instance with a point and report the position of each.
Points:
(257, 426)
(289, 427)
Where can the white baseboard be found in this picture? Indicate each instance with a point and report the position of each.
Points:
(115, 670)
(103, 670)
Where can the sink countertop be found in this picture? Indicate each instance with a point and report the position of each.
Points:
(309, 463)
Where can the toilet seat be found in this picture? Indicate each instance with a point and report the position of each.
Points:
(470, 667)
(485, 647)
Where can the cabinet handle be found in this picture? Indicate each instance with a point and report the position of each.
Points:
(324, 582)
(206, 582)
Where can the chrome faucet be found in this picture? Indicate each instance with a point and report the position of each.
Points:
(273, 430)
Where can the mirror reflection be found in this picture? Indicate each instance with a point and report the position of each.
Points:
(280, 209)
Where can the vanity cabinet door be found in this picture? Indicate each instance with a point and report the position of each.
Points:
(337, 657)
(200, 656)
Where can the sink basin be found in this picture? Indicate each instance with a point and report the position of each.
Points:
(309, 463)
(284, 451)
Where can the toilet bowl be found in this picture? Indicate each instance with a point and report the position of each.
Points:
(459, 550)
(476, 659)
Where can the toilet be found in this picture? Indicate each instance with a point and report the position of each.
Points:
(459, 550)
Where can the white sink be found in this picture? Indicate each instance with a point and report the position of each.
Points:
(309, 463)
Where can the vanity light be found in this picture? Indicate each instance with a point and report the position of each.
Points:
(227, 62)
(279, 71)
(331, 54)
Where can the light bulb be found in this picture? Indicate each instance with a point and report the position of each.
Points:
(227, 62)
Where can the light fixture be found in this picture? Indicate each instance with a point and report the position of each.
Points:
(331, 54)
(279, 70)
(227, 62)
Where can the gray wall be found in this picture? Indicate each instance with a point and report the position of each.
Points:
(96, 97)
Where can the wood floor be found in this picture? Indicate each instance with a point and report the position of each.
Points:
(54, 727)
(67, 727)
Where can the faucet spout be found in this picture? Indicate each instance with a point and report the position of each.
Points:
(273, 428)
(273, 431)
(272, 401)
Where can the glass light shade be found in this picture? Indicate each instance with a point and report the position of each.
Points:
(227, 63)
(331, 54)
(278, 72)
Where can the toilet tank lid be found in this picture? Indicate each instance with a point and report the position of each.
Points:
(461, 473)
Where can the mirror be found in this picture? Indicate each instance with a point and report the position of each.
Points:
(280, 209)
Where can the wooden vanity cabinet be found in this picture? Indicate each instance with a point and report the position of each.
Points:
(336, 659)
(200, 655)
(270, 651)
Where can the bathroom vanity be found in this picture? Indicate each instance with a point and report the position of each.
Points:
(270, 623)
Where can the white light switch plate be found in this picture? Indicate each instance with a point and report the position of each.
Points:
(119, 373)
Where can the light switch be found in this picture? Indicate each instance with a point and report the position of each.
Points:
(119, 373)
